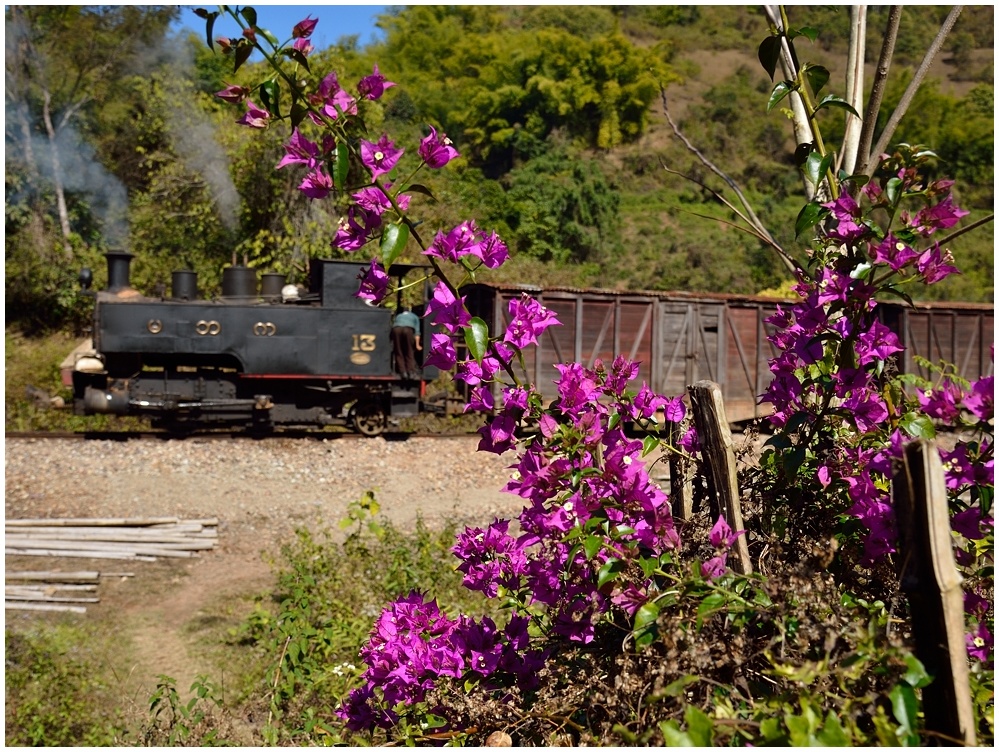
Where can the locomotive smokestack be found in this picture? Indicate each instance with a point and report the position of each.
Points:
(118, 263)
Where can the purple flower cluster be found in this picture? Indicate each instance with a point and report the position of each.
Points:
(414, 645)
(829, 374)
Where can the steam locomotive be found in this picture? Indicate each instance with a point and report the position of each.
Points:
(265, 354)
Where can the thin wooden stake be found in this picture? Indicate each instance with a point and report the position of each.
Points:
(932, 584)
(681, 487)
(719, 457)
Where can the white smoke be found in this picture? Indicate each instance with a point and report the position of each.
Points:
(192, 133)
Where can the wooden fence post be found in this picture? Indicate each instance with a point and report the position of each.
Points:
(719, 459)
(932, 584)
(681, 487)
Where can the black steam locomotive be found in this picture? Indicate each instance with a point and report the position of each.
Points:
(265, 354)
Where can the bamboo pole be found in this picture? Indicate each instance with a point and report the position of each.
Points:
(123, 541)
(932, 584)
(79, 554)
(25, 606)
(718, 452)
(96, 521)
(58, 576)
(42, 598)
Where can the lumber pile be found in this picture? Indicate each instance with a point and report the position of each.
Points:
(52, 591)
(134, 539)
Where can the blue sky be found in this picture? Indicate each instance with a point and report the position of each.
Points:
(335, 21)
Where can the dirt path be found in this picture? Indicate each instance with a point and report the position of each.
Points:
(260, 492)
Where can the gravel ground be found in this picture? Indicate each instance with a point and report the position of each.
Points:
(260, 490)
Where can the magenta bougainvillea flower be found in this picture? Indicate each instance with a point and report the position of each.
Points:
(380, 157)
(437, 150)
(979, 400)
(373, 86)
(980, 643)
(303, 29)
(442, 353)
(233, 93)
(255, 117)
(299, 150)
(935, 265)
(528, 320)
(374, 283)
(938, 216)
(446, 311)
(303, 45)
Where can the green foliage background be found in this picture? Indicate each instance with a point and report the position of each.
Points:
(555, 109)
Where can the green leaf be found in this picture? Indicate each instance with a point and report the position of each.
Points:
(609, 571)
(249, 15)
(831, 100)
(905, 708)
(394, 239)
(816, 167)
(892, 188)
(769, 54)
(268, 36)
(915, 675)
(918, 425)
(646, 615)
(421, 189)
(673, 736)
(801, 152)
(649, 444)
(270, 94)
(832, 733)
(780, 91)
(699, 726)
(810, 215)
(708, 606)
(477, 338)
(342, 166)
(817, 77)
(297, 56)
(298, 113)
(209, 27)
(677, 687)
(243, 51)
(805, 31)
(592, 545)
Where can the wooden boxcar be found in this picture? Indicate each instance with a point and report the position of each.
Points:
(680, 337)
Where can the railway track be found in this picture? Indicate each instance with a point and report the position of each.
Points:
(224, 435)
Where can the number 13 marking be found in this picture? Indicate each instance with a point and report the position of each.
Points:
(363, 342)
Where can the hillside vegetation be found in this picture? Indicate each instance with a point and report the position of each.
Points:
(557, 112)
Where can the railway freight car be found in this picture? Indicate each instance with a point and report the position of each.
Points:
(261, 355)
(680, 337)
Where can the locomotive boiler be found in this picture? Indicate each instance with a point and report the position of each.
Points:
(263, 355)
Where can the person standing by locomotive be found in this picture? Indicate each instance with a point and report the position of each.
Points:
(405, 343)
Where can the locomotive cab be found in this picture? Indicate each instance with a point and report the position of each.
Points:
(256, 356)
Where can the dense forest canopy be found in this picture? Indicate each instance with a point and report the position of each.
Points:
(114, 138)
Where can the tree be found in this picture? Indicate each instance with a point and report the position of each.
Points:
(60, 64)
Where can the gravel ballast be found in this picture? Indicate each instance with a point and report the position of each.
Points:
(260, 490)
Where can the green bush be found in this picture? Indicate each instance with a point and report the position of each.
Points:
(55, 693)
(306, 635)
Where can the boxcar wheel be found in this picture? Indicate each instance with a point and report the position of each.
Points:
(368, 417)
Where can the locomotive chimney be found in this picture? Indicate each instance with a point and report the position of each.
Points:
(118, 263)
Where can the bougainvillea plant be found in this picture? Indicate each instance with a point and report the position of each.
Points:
(596, 546)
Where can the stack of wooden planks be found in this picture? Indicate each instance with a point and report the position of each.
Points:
(53, 591)
(136, 539)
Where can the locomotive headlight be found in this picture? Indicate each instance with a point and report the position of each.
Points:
(155, 326)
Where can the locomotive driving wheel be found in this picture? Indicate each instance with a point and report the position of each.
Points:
(368, 417)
